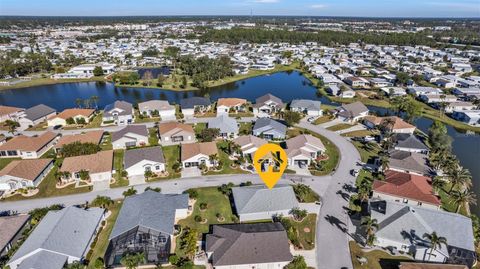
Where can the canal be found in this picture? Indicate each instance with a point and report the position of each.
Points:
(285, 85)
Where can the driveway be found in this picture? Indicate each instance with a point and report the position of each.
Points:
(332, 227)
(136, 180)
(191, 172)
(101, 185)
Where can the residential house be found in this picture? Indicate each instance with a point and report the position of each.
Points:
(193, 105)
(267, 105)
(409, 162)
(94, 137)
(174, 133)
(11, 228)
(356, 82)
(253, 203)
(407, 188)
(28, 147)
(87, 69)
(302, 149)
(459, 106)
(20, 174)
(62, 237)
(158, 108)
(145, 224)
(130, 136)
(471, 117)
(307, 107)
(269, 129)
(380, 83)
(438, 98)
(402, 227)
(118, 113)
(192, 155)
(347, 93)
(249, 144)
(227, 105)
(10, 113)
(424, 90)
(228, 127)
(36, 115)
(99, 167)
(392, 124)
(78, 115)
(138, 161)
(243, 246)
(351, 112)
(409, 142)
(394, 91)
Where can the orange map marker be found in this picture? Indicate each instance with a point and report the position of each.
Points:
(270, 161)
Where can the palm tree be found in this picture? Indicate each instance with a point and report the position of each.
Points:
(79, 102)
(438, 183)
(371, 227)
(384, 162)
(103, 201)
(463, 199)
(213, 159)
(12, 126)
(132, 261)
(435, 241)
(95, 99)
(459, 177)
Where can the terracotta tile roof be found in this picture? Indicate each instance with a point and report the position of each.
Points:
(170, 126)
(191, 150)
(398, 123)
(26, 169)
(73, 112)
(88, 137)
(5, 110)
(28, 143)
(406, 185)
(229, 102)
(93, 163)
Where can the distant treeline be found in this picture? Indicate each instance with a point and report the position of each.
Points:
(257, 35)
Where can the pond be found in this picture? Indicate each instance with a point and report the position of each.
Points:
(164, 70)
(285, 85)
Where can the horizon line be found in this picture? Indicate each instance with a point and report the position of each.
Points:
(246, 15)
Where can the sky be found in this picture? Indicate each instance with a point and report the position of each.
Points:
(358, 8)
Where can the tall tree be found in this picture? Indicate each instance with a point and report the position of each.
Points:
(435, 242)
(371, 226)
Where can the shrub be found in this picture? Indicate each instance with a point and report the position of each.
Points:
(198, 218)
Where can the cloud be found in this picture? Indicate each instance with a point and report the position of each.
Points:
(318, 6)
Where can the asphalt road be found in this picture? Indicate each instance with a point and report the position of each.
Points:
(332, 238)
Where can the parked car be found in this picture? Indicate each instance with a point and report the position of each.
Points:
(354, 172)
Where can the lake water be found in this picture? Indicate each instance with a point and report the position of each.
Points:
(285, 85)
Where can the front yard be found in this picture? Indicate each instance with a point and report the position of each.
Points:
(217, 203)
(302, 234)
(376, 259)
(225, 160)
(367, 151)
(341, 126)
(172, 156)
(118, 167)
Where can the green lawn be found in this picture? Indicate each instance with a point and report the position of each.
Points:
(142, 119)
(306, 231)
(107, 142)
(47, 188)
(102, 239)
(223, 156)
(172, 156)
(5, 161)
(367, 152)
(198, 128)
(360, 133)
(245, 128)
(338, 127)
(447, 204)
(118, 167)
(323, 119)
(216, 203)
(374, 258)
(153, 137)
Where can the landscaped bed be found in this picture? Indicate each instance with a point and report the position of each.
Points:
(376, 259)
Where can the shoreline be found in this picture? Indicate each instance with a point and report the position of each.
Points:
(428, 112)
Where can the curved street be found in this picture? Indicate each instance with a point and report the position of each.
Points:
(332, 225)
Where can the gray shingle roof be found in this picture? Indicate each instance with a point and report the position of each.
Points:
(352, 110)
(38, 111)
(66, 232)
(269, 124)
(44, 260)
(151, 210)
(194, 101)
(125, 106)
(307, 104)
(9, 227)
(134, 156)
(409, 141)
(400, 219)
(268, 97)
(135, 129)
(253, 199)
(237, 244)
(409, 161)
(224, 123)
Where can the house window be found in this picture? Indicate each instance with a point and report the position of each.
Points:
(157, 167)
(148, 168)
(419, 203)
